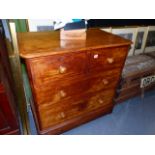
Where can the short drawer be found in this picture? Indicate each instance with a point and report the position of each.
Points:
(57, 67)
(64, 90)
(105, 59)
(58, 113)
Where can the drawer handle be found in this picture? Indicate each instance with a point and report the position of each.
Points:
(105, 82)
(62, 93)
(62, 114)
(62, 69)
(100, 101)
(95, 56)
(110, 60)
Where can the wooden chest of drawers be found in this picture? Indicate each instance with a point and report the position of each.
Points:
(72, 81)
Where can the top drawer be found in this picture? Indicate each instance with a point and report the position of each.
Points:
(75, 65)
(57, 67)
(108, 58)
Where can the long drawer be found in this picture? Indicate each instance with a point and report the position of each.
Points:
(66, 90)
(63, 111)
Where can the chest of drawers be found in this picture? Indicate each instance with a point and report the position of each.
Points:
(72, 81)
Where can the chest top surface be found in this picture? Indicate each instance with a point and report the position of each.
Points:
(36, 44)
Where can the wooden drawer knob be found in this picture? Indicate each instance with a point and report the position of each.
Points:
(100, 101)
(110, 60)
(62, 69)
(95, 56)
(105, 82)
(62, 93)
(62, 114)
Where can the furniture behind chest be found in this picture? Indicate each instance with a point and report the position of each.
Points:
(136, 68)
(8, 111)
(72, 81)
(8, 119)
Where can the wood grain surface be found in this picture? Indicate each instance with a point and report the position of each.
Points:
(36, 44)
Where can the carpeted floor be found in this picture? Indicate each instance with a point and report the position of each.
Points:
(133, 117)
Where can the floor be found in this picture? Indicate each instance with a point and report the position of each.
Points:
(133, 117)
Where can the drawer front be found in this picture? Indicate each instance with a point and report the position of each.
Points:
(61, 91)
(104, 59)
(58, 113)
(57, 67)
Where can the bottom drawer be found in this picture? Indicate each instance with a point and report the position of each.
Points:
(61, 112)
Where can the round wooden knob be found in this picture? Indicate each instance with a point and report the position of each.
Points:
(110, 60)
(62, 114)
(105, 82)
(95, 56)
(62, 93)
(100, 101)
(62, 69)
